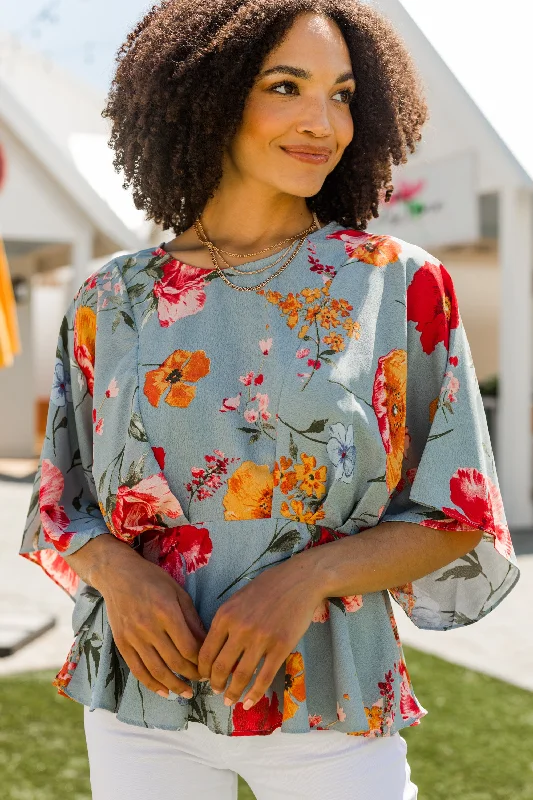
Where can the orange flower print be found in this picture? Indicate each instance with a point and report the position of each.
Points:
(311, 479)
(328, 318)
(294, 685)
(180, 369)
(388, 400)
(369, 248)
(283, 476)
(352, 328)
(311, 294)
(291, 306)
(249, 494)
(84, 343)
(334, 341)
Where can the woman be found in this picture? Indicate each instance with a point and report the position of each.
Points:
(233, 420)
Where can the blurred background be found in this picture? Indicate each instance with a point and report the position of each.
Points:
(466, 196)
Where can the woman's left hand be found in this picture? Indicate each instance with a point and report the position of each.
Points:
(267, 617)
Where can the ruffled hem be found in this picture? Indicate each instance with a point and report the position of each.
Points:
(298, 701)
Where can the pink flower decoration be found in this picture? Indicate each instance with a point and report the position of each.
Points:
(231, 403)
(100, 426)
(265, 345)
(302, 352)
(137, 507)
(53, 517)
(112, 389)
(251, 415)
(247, 379)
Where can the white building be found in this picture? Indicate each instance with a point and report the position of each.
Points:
(463, 196)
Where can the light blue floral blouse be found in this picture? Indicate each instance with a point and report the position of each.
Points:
(220, 432)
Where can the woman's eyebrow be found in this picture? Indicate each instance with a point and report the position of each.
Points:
(298, 72)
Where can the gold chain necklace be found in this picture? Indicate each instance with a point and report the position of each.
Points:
(205, 240)
(263, 283)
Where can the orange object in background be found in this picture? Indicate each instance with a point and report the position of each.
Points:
(9, 331)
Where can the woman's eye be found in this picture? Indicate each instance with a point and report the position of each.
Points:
(279, 85)
(348, 93)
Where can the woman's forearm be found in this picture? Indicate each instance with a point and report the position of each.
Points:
(100, 558)
(388, 555)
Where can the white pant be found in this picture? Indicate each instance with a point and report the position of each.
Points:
(132, 763)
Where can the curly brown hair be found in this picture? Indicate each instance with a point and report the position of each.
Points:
(180, 87)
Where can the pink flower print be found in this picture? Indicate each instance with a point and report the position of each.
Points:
(100, 426)
(230, 404)
(265, 345)
(180, 292)
(107, 286)
(452, 388)
(118, 288)
(53, 517)
(302, 352)
(251, 415)
(341, 716)
(112, 389)
(247, 379)
(303, 374)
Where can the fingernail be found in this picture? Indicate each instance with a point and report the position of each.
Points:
(218, 691)
(162, 693)
(247, 704)
(187, 694)
(228, 701)
(202, 680)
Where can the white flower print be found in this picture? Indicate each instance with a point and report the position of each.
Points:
(341, 451)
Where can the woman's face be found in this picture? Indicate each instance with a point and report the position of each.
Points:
(300, 99)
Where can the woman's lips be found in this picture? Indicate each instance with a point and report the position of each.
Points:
(310, 158)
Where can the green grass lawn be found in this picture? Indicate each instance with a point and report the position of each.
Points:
(475, 744)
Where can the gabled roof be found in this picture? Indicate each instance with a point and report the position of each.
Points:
(58, 119)
(453, 111)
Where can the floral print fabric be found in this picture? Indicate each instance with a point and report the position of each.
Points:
(220, 432)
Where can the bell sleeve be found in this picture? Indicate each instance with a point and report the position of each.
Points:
(448, 479)
(64, 512)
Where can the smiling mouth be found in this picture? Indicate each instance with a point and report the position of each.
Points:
(310, 158)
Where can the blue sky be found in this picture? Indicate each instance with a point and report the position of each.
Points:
(487, 45)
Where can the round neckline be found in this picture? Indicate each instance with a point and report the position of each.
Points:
(259, 261)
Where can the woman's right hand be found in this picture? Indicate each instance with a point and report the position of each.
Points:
(154, 624)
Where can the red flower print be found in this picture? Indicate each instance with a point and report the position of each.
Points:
(56, 568)
(159, 453)
(453, 361)
(262, 718)
(408, 706)
(432, 304)
(138, 507)
(180, 292)
(53, 517)
(481, 501)
(179, 550)
(312, 363)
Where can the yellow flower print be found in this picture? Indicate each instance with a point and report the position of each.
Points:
(335, 342)
(294, 685)
(312, 312)
(300, 514)
(311, 294)
(311, 479)
(249, 494)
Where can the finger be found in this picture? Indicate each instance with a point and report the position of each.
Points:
(173, 658)
(224, 664)
(265, 677)
(243, 674)
(161, 672)
(182, 637)
(211, 647)
(139, 670)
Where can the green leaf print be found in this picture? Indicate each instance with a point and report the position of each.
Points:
(286, 541)
(293, 449)
(136, 428)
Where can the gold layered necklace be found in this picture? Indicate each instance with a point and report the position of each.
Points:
(215, 251)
